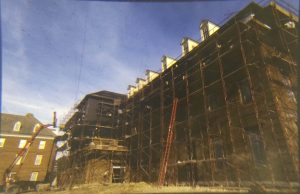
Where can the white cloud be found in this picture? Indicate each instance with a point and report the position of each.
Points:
(42, 109)
(18, 95)
(54, 91)
(22, 103)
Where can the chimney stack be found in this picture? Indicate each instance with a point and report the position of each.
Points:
(54, 119)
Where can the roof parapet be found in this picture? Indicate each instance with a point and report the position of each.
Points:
(166, 62)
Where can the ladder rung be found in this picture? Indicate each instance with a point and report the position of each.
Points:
(166, 153)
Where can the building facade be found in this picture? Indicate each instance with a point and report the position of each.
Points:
(96, 153)
(236, 116)
(15, 132)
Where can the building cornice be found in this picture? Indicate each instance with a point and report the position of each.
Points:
(24, 136)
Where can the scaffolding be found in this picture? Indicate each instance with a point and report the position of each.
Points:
(97, 153)
(236, 118)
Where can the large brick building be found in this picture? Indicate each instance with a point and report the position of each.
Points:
(236, 118)
(15, 131)
(96, 152)
(236, 115)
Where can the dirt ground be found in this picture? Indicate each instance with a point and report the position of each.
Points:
(134, 188)
(144, 188)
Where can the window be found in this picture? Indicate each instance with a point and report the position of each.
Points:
(205, 32)
(19, 161)
(13, 175)
(106, 133)
(36, 127)
(256, 143)
(42, 145)
(218, 149)
(22, 143)
(218, 152)
(252, 129)
(34, 176)
(258, 151)
(17, 126)
(214, 101)
(38, 160)
(291, 95)
(185, 47)
(165, 66)
(246, 95)
(2, 141)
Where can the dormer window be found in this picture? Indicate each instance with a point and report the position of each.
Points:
(17, 126)
(245, 92)
(36, 127)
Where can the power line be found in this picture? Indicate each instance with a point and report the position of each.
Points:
(81, 56)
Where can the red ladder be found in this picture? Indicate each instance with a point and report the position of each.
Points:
(166, 153)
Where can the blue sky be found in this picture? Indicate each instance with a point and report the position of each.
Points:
(44, 44)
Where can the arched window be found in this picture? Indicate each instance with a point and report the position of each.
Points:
(36, 127)
(17, 126)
